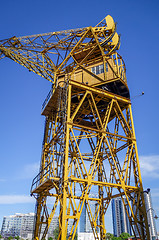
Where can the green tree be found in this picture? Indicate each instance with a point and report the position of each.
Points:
(76, 236)
(17, 237)
(109, 236)
(50, 238)
(124, 236)
(9, 238)
(0, 236)
(56, 233)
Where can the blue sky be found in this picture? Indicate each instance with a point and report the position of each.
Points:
(22, 92)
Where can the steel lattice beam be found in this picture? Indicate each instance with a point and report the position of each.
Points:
(89, 150)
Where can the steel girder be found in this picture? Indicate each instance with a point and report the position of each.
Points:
(50, 54)
(89, 150)
(90, 160)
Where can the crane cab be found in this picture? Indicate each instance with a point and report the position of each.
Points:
(108, 74)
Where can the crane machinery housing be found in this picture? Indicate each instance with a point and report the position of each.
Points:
(89, 151)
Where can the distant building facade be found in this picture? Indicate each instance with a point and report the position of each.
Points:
(84, 229)
(85, 225)
(18, 225)
(53, 225)
(23, 224)
(150, 214)
(86, 236)
(120, 219)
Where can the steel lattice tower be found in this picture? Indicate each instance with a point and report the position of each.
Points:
(89, 149)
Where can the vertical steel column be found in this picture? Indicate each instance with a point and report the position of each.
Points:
(143, 214)
(63, 201)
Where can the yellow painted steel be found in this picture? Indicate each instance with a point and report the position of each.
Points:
(89, 153)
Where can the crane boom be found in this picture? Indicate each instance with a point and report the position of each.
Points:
(51, 53)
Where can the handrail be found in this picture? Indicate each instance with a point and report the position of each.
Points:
(41, 177)
(47, 98)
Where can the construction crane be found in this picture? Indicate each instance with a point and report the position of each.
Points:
(89, 152)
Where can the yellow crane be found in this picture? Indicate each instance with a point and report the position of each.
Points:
(89, 152)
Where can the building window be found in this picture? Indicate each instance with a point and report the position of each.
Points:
(99, 69)
(106, 67)
(93, 70)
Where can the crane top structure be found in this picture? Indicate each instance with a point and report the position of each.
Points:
(51, 55)
(89, 141)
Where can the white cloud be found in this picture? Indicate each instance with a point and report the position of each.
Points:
(29, 171)
(2, 180)
(16, 199)
(155, 192)
(150, 166)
